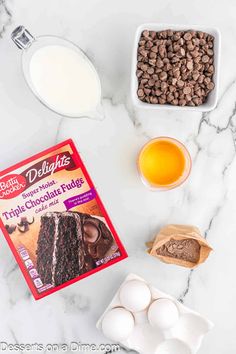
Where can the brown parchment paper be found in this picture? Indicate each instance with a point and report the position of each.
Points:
(179, 232)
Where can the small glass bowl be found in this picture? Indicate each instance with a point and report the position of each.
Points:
(183, 177)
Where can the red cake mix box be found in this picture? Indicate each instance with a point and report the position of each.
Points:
(54, 220)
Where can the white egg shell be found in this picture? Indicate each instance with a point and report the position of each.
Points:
(117, 324)
(135, 295)
(163, 313)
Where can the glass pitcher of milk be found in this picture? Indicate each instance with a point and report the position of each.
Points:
(60, 75)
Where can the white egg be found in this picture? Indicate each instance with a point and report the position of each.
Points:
(118, 324)
(135, 295)
(163, 313)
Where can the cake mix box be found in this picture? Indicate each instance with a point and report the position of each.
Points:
(54, 220)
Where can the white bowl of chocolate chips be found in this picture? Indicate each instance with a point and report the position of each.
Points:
(175, 67)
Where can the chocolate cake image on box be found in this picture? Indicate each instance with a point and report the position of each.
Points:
(70, 244)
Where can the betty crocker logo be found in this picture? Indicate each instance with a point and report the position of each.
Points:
(11, 186)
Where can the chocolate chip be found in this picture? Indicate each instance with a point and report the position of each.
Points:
(152, 55)
(144, 67)
(187, 36)
(188, 97)
(190, 47)
(151, 82)
(162, 100)
(152, 62)
(154, 49)
(182, 102)
(162, 50)
(190, 103)
(147, 91)
(152, 34)
(201, 79)
(194, 53)
(210, 86)
(176, 47)
(207, 80)
(211, 69)
(195, 75)
(190, 65)
(205, 59)
(177, 35)
(149, 44)
(158, 83)
(174, 81)
(210, 52)
(145, 33)
(140, 93)
(143, 52)
(181, 52)
(144, 81)
(150, 71)
(170, 97)
(187, 90)
(153, 99)
(163, 76)
(159, 63)
(164, 86)
(158, 92)
(196, 100)
(175, 102)
(172, 88)
(180, 83)
(176, 72)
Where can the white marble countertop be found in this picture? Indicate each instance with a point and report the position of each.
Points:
(105, 29)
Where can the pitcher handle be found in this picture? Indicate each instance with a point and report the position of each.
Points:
(22, 37)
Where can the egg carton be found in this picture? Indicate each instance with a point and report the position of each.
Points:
(156, 329)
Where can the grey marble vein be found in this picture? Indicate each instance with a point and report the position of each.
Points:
(187, 288)
(231, 125)
(15, 340)
(206, 119)
(216, 213)
(5, 12)
(13, 267)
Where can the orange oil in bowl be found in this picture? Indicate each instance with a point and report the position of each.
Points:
(164, 163)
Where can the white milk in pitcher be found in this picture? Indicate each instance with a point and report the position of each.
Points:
(65, 80)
